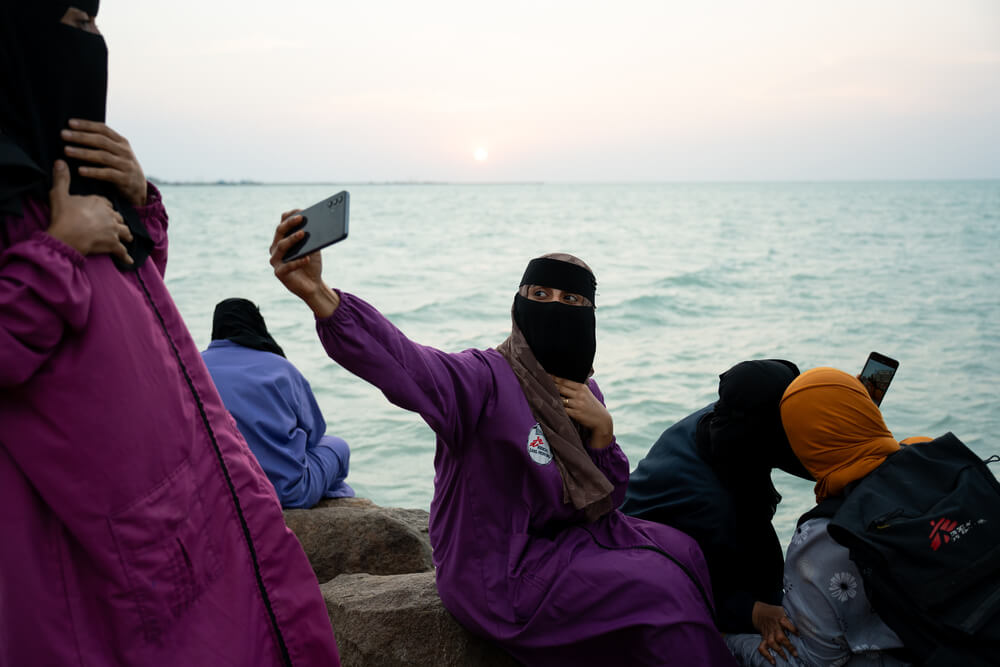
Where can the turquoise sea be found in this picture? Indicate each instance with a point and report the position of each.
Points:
(692, 278)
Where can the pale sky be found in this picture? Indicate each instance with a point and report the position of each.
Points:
(557, 91)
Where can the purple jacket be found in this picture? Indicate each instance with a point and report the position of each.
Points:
(137, 527)
(514, 563)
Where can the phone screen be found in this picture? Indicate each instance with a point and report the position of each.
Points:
(877, 374)
(325, 223)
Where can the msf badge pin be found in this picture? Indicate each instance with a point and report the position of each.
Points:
(538, 446)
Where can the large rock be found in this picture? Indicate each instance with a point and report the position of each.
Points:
(415, 519)
(399, 621)
(348, 535)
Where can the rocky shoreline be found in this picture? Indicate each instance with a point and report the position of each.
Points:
(375, 571)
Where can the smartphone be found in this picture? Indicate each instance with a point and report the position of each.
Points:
(325, 223)
(877, 374)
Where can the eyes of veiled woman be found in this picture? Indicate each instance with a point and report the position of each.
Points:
(547, 294)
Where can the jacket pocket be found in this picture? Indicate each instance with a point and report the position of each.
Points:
(527, 583)
(167, 551)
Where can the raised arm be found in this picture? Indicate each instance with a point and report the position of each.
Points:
(448, 390)
(303, 277)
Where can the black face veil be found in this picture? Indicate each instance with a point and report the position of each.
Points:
(51, 72)
(562, 337)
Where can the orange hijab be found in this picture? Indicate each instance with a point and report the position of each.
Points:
(834, 428)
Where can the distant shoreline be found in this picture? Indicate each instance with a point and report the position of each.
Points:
(158, 182)
(846, 181)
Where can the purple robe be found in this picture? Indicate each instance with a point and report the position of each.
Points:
(514, 563)
(137, 527)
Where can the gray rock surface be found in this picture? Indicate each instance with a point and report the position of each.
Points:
(399, 621)
(377, 577)
(348, 535)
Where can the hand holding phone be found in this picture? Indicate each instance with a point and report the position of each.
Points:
(325, 223)
(877, 374)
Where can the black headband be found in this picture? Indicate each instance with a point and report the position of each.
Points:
(547, 272)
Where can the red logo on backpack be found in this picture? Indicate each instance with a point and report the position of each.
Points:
(941, 530)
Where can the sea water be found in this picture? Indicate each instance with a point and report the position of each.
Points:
(692, 278)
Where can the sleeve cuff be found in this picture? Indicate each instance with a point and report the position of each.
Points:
(604, 453)
(337, 316)
(58, 247)
(153, 200)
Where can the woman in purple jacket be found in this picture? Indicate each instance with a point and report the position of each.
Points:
(137, 527)
(529, 548)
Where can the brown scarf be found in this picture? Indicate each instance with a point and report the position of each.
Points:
(583, 483)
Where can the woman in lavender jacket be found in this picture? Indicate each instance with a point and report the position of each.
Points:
(529, 548)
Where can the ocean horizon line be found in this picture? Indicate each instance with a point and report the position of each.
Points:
(255, 183)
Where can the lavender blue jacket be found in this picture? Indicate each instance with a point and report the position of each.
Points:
(137, 527)
(278, 415)
(514, 563)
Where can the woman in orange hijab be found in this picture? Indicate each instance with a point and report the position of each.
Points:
(838, 434)
(834, 428)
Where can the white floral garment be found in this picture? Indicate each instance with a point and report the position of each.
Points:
(825, 599)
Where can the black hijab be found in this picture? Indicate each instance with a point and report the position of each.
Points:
(562, 337)
(743, 438)
(240, 321)
(51, 72)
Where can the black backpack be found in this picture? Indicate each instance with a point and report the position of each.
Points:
(924, 530)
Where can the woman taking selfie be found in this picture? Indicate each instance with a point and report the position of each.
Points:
(528, 546)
